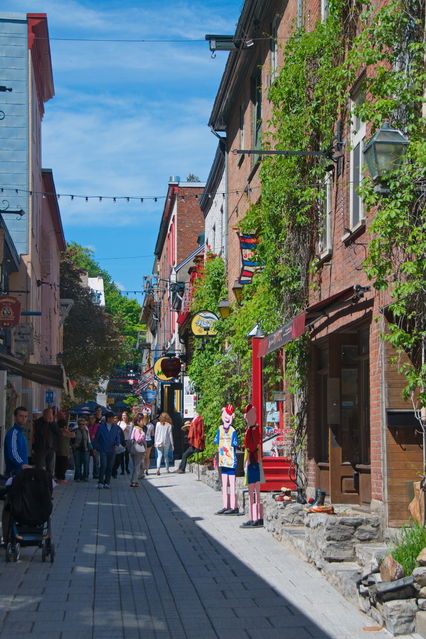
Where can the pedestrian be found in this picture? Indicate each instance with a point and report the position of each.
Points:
(163, 440)
(45, 433)
(119, 455)
(196, 441)
(99, 416)
(149, 430)
(62, 450)
(15, 444)
(81, 446)
(126, 426)
(107, 441)
(93, 426)
(16, 459)
(136, 444)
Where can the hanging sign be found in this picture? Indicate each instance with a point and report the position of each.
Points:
(170, 366)
(10, 311)
(203, 324)
(249, 263)
(158, 371)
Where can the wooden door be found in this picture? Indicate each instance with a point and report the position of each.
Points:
(348, 418)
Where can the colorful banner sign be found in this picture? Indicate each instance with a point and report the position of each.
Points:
(249, 265)
(203, 324)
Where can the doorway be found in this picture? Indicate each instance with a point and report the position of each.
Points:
(343, 428)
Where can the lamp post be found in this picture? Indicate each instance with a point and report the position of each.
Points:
(237, 289)
(224, 307)
(385, 152)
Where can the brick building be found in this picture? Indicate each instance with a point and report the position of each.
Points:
(363, 447)
(180, 238)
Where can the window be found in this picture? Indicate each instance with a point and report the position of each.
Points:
(325, 223)
(274, 49)
(242, 126)
(324, 10)
(256, 111)
(299, 14)
(356, 164)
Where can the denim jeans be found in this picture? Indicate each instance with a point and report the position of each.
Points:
(163, 450)
(95, 469)
(81, 464)
(106, 461)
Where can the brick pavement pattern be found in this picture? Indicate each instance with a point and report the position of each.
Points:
(155, 562)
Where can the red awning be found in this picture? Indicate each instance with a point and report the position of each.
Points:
(296, 327)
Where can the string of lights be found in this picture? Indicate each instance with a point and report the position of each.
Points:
(143, 198)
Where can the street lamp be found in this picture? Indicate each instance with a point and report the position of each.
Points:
(385, 151)
(224, 307)
(237, 289)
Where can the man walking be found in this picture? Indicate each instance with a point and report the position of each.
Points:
(106, 443)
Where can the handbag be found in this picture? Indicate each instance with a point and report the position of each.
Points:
(136, 448)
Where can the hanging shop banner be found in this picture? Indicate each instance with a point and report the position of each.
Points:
(249, 264)
(158, 371)
(10, 311)
(203, 324)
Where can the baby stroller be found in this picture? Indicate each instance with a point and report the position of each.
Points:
(30, 501)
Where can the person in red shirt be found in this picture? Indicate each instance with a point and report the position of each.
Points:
(196, 442)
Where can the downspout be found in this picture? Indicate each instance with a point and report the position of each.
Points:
(225, 208)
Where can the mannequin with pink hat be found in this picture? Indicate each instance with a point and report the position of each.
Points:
(227, 441)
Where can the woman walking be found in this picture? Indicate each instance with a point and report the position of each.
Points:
(126, 426)
(149, 428)
(163, 440)
(136, 445)
(81, 445)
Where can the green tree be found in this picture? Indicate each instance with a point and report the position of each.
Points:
(92, 338)
(126, 311)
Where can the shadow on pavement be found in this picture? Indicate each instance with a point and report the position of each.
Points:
(130, 563)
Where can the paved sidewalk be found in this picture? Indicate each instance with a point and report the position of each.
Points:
(154, 562)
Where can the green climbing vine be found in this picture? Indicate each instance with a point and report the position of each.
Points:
(382, 50)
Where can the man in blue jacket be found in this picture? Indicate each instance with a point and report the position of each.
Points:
(15, 443)
(107, 441)
(16, 458)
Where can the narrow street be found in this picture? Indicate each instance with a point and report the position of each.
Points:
(156, 562)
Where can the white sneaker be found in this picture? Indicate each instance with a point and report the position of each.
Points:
(100, 485)
(107, 486)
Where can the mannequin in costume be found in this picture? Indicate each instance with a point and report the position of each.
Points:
(253, 468)
(227, 441)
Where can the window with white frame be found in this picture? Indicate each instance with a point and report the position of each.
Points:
(242, 126)
(325, 223)
(274, 48)
(324, 10)
(256, 91)
(299, 14)
(356, 161)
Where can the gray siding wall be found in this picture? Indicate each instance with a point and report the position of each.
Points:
(14, 134)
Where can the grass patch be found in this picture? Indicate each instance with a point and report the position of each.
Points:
(413, 540)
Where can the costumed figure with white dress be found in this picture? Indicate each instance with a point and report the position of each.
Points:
(227, 441)
(253, 468)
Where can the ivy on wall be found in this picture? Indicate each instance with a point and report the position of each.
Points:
(384, 48)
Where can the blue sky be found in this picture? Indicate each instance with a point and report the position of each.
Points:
(126, 116)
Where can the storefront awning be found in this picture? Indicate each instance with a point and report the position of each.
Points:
(46, 374)
(295, 327)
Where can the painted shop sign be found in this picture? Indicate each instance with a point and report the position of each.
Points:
(10, 311)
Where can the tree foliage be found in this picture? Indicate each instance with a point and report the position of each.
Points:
(92, 339)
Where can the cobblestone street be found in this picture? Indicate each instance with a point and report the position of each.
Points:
(156, 562)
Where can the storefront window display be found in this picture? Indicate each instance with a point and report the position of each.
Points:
(274, 440)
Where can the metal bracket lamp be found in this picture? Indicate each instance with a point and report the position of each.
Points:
(384, 153)
(333, 152)
(224, 308)
(237, 289)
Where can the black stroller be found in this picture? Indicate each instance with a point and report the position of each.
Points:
(30, 501)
